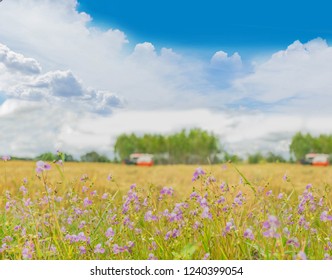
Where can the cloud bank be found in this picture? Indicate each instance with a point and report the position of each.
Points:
(67, 83)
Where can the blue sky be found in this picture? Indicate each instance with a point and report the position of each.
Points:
(75, 75)
(232, 25)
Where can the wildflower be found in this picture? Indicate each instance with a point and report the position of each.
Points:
(99, 249)
(221, 200)
(82, 250)
(82, 224)
(294, 242)
(229, 226)
(286, 231)
(280, 196)
(271, 225)
(149, 217)
(269, 193)
(116, 249)
(7, 239)
(325, 217)
(222, 186)
(206, 213)
(6, 157)
(248, 234)
(27, 202)
(70, 220)
(301, 256)
(327, 257)
(109, 177)
(85, 189)
(23, 190)
(42, 166)
(87, 202)
(152, 257)
(153, 246)
(198, 172)
(59, 162)
(109, 233)
(206, 256)
(84, 178)
(167, 191)
(285, 178)
(238, 200)
(94, 193)
(104, 196)
(26, 253)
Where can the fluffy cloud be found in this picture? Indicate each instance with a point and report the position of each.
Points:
(62, 75)
(299, 75)
(17, 62)
(222, 60)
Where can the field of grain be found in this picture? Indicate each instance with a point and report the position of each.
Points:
(109, 211)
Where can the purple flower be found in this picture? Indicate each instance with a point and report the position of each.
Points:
(285, 178)
(269, 193)
(82, 224)
(198, 172)
(94, 193)
(87, 202)
(206, 213)
(85, 189)
(294, 242)
(26, 253)
(104, 196)
(116, 249)
(272, 224)
(206, 256)
(229, 226)
(324, 217)
(149, 217)
(23, 190)
(248, 234)
(166, 191)
(82, 250)
(152, 257)
(42, 166)
(221, 200)
(99, 249)
(7, 239)
(84, 177)
(109, 233)
(280, 196)
(301, 256)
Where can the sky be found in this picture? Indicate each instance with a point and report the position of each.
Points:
(76, 74)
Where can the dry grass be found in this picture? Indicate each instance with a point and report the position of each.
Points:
(176, 176)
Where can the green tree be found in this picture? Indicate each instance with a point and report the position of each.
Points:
(94, 157)
(301, 145)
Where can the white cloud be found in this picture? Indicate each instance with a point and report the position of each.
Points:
(301, 72)
(222, 60)
(17, 62)
(89, 73)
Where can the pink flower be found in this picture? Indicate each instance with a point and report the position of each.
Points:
(42, 166)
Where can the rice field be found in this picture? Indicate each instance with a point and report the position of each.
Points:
(108, 211)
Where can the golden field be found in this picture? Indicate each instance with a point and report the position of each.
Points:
(176, 176)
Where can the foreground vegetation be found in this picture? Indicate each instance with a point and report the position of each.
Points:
(93, 211)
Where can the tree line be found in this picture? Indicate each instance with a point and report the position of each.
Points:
(195, 146)
(188, 147)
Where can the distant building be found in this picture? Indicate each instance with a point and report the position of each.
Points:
(316, 159)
